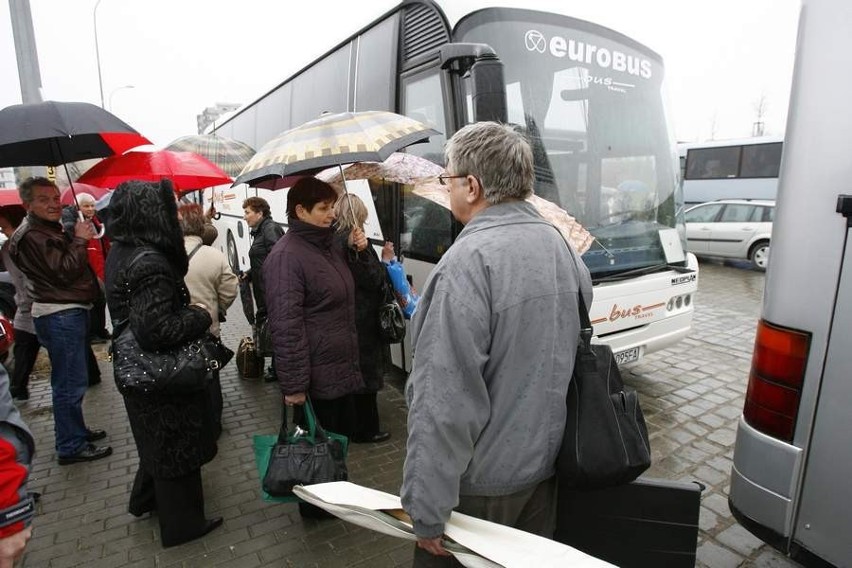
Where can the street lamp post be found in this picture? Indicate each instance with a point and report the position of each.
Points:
(115, 91)
(98, 51)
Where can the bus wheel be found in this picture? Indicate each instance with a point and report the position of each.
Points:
(233, 259)
(759, 255)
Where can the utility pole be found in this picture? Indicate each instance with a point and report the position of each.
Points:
(25, 50)
(28, 71)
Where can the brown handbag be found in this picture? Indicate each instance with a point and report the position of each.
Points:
(249, 361)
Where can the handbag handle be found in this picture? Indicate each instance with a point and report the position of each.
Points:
(315, 431)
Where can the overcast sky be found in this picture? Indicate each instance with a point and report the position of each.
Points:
(181, 56)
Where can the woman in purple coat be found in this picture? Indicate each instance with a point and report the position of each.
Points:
(310, 298)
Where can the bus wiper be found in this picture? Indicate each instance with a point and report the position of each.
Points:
(642, 271)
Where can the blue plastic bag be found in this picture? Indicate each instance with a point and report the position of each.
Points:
(405, 295)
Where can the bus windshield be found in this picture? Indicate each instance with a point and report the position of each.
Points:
(591, 102)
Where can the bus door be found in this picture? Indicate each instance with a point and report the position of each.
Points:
(823, 523)
(425, 228)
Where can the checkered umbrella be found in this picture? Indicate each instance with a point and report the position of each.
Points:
(229, 154)
(332, 140)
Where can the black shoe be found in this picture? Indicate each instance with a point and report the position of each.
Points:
(210, 525)
(90, 452)
(95, 435)
(269, 377)
(308, 511)
(373, 439)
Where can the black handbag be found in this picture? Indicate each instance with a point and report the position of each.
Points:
(221, 352)
(305, 457)
(182, 369)
(606, 440)
(391, 318)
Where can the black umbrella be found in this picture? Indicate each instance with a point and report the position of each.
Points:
(53, 133)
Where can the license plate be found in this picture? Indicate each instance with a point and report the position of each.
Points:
(627, 356)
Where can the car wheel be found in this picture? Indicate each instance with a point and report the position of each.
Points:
(759, 255)
(233, 259)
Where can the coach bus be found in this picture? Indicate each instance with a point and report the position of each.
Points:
(588, 98)
(792, 459)
(730, 169)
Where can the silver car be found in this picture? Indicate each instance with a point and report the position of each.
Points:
(731, 228)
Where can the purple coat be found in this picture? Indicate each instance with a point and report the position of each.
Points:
(310, 298)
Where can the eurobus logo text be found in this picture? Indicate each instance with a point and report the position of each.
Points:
(581, 52)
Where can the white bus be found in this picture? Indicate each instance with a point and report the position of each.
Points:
(590, 101)
(790, 482)
(730, 169)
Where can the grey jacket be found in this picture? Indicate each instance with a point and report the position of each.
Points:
(495, 335)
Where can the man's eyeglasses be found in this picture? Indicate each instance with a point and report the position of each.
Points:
(444, 177)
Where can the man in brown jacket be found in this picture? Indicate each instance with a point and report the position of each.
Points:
(63, 287)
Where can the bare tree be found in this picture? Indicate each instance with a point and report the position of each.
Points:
(714, 124)
(760, 106)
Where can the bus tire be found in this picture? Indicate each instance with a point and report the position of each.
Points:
(233, 258)
(759, 255)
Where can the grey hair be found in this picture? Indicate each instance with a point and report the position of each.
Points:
(25, 190)
(497, 155)
(346, 205)
(84, 197)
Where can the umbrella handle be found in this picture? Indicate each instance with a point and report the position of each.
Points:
(101, 231)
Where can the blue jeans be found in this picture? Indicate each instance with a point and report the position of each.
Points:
(64, 335)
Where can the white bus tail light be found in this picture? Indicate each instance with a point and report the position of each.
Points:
(775, 381)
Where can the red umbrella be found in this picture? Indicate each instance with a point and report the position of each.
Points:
(10, 196)
(67, 196)
(186, 170)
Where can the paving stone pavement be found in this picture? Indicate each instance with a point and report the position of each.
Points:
(692, 396)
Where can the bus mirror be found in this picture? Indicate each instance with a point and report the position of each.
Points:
(485, 70)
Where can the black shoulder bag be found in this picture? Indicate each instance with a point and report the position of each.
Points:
(606, 440)
(180, 369)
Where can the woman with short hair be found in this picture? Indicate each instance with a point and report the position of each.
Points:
(311, 301)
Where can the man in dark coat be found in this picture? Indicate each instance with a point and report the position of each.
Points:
(264, 232)
(63, 287)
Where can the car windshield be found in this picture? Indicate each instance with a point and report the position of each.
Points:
(591, 102)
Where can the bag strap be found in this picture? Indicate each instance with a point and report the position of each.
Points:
(145, 251)
(193, 251)
(315, 431)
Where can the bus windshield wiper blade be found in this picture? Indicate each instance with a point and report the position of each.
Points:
(639, 272)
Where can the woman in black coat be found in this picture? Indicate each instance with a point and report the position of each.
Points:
(370, 276)
(173, 433)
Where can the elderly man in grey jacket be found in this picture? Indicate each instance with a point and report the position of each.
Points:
(494, 335)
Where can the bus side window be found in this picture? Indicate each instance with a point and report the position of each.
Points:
(761, 160)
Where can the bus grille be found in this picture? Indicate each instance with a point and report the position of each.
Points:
(424, 31)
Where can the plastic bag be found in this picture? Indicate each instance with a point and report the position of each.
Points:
(405, 294)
